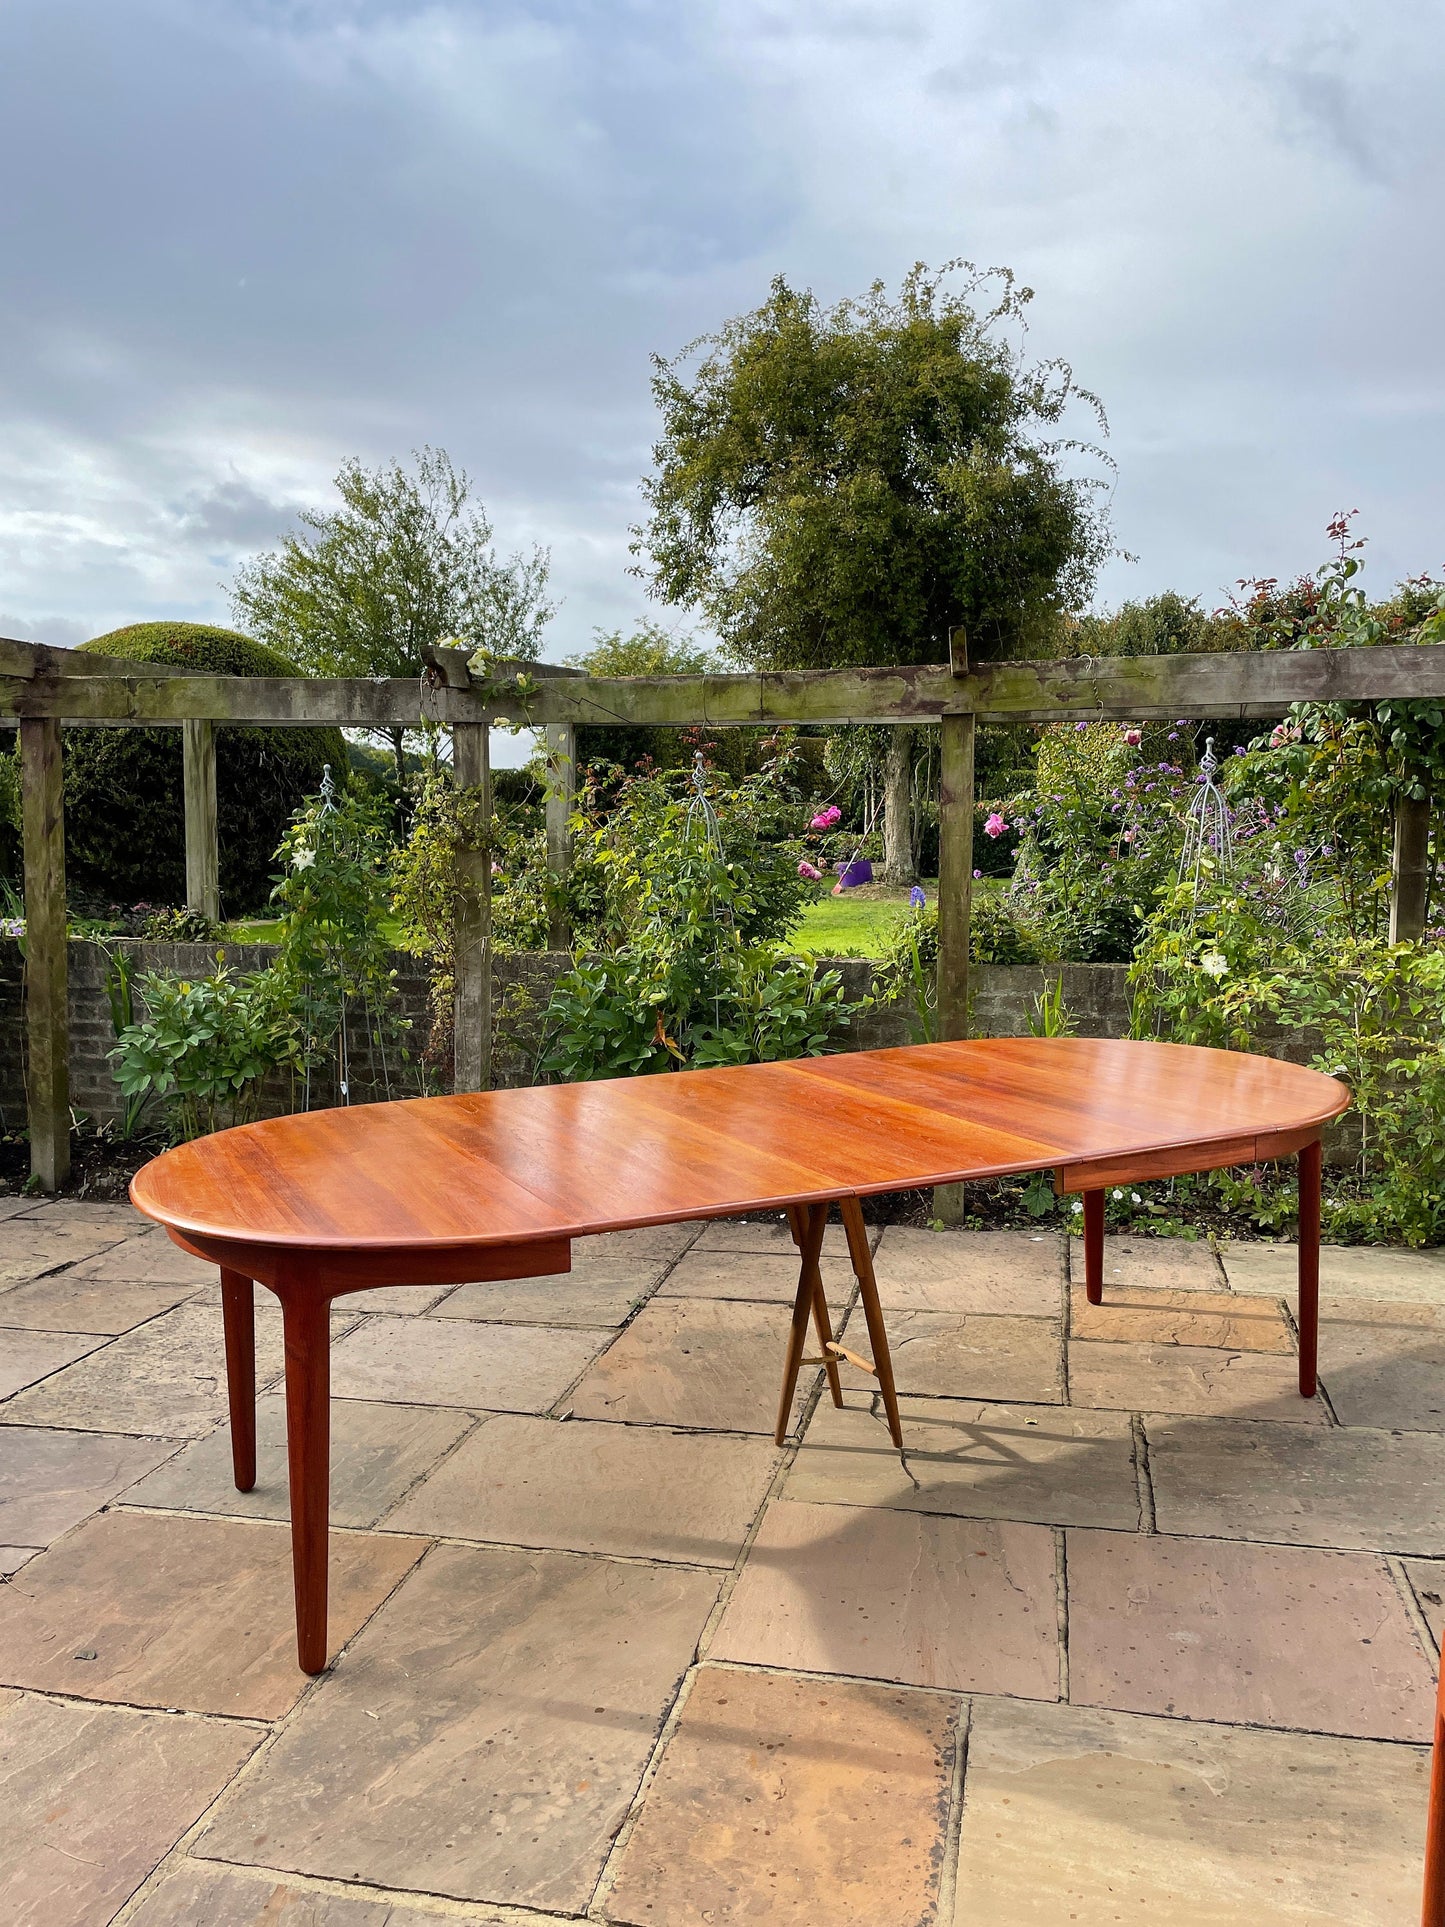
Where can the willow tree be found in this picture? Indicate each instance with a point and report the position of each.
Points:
(844, 486)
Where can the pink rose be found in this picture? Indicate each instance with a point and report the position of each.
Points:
(995, 825)
(806, 869)
(825, 819)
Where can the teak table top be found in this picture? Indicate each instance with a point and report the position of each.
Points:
(555, 1162)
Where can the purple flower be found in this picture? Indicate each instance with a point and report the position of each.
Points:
(978, 873)
(916, 898)
(1301, 857)
(1173, 736)
(1238, 750)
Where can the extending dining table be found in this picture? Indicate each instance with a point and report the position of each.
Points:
(493, 1185)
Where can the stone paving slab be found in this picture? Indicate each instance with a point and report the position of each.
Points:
(1046, 1464)
(568, 1300)
(701, 1363)
(91, 1797)
(402, 1301)
(166, 1379)
(772, 1239)
(67, 1303)
(377, 1453)
(939, 1354)
(911, 1598)
(29, 1250)
(780, 1802)
(1008, 1272)
(1260, 1635)
(1427, 1577)
(182, 1613)
(1089, 1818)
(149, 1259)
(1346, 1488)
(750, 1275)
(1155, 1315)
(1193, 1380)
(193, 1894)
(1383, 1364)
(12, 1558)
(1168, 1264)
(529, 1686)
(26, 1357)
(508, 1368)
(116, 1214)
(588, 1487)
(50, 1481)
(1356, 1271)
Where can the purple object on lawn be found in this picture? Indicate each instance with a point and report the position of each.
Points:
(850, 875)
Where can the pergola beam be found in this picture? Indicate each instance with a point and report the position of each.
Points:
(1119, 688)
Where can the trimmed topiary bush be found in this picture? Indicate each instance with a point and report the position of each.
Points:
(125, 833)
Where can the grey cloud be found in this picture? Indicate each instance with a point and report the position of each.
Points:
(244, 239)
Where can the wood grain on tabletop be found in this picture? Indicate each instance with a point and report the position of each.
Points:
(568, 1159)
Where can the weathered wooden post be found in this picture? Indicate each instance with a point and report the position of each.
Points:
(955, 892)
(46, 977)
(561, 741)
(1410, 868)
(472, 941)
(203, 862)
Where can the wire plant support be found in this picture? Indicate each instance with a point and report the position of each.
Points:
(1208, 829)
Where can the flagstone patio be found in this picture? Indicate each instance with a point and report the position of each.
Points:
(1127, 1632)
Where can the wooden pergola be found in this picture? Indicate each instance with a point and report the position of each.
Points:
(42, 688)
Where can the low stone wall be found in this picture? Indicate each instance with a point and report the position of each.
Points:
(1003, 1000)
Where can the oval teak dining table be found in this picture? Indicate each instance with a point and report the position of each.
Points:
(434, 1191)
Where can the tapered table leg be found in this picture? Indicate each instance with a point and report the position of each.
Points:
(238, 1315)
(1311, 1159)
(857, 1234)
(1432, 1913)
(305, 1315)
(812, 1223)
(1094, 1246)
(799, 1216)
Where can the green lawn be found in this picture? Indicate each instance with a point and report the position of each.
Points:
(854, 924)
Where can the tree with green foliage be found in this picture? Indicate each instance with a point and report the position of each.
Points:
(846, 485)
(125, 837)
(406, 562)
(648, 649)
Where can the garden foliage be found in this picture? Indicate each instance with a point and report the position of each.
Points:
(125, 836)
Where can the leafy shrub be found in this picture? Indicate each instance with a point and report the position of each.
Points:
(125, 811)
(178, 926)
(1222, 972)
(204, 1047)
(1101, 836)
(685, 922)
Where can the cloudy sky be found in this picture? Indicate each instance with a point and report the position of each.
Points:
(241, 240)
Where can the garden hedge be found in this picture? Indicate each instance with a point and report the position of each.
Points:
(125, 838)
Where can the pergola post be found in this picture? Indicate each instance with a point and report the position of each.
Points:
(955, 903)
(1410, 869)
(46, 978)
(203, 863)
(561, 742)
(472, 1010)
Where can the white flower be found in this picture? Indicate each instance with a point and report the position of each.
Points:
(1213, 965)
(1118, 1195)
(1077, 1205)
(1134, 1198)
(303, 859)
